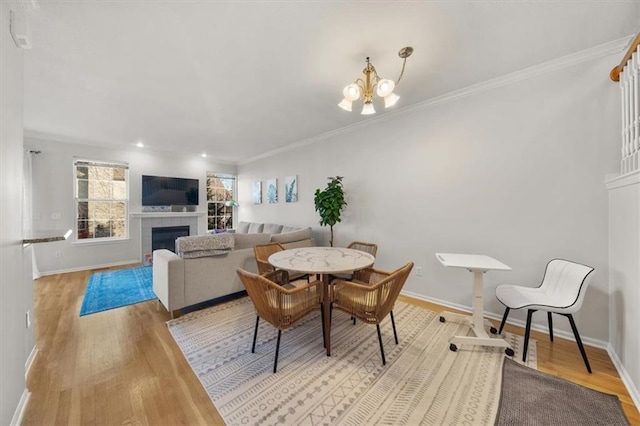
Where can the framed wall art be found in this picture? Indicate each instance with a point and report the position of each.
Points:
(256, 192)
(272, 191)
(291, 189)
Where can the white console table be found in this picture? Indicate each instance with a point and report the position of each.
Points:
(477, 264)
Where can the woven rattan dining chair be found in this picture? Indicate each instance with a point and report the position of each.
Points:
(370, 248)
(262, 253)
(371, 296)
(279, 303)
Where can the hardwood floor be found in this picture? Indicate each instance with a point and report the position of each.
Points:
(121, 367)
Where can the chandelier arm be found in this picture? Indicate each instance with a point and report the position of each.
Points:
(404, 62)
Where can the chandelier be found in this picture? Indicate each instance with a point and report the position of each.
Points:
(367, 87)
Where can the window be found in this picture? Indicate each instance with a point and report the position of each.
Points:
(102, 200)
(220, 198)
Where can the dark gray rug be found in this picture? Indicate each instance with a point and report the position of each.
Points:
(530, 397)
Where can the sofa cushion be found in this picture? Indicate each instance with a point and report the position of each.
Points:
(243, 227)
(249, 240)
(255, 228)
(271, 228)
(300, 234)
(204, 245)
(286, 229)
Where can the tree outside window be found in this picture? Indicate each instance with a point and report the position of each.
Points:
(220, 190)
(101, 195)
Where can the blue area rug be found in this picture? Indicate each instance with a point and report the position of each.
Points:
(113, 289)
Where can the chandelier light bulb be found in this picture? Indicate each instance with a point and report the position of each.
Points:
(385, 88)
(351, 92)
(391, 100)
(368, 109)
(345, 104)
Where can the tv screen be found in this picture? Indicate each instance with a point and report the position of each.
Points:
(169, 191)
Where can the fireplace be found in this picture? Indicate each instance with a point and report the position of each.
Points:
(165, 237)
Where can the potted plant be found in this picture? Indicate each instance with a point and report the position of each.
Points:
(330, 203)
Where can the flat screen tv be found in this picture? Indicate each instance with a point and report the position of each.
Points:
(169, 191)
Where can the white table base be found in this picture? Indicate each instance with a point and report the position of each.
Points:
(477, 321)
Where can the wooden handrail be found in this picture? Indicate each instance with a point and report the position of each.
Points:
(615, 72)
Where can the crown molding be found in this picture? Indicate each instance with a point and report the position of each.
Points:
(593, 53)
(48, 137)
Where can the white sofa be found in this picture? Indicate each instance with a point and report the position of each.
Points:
(180, 280)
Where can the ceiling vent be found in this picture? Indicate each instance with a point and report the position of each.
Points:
(18, 29)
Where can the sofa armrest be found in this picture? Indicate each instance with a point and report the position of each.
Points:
(168, 279)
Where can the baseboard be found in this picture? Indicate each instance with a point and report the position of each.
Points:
(626, 379)
(20, 409)
(498, 317)
(86, 268)
(30, 359)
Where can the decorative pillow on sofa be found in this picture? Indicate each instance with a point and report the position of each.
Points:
(300, 234)
(204, 245)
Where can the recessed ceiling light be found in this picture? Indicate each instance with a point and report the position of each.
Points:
(140, 144)
(203, 155)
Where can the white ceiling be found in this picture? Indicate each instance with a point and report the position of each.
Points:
(240, 79)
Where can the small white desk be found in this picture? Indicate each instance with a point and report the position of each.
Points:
(477, 264)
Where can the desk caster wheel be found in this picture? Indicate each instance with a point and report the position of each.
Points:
(509, 352)
(442, 319)
(453, 347)
(493, 330)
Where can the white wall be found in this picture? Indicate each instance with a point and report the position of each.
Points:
(624, 275)
(53, 193)
(17, 340)
(515, 172)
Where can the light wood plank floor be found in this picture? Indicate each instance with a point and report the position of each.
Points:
(121, 367)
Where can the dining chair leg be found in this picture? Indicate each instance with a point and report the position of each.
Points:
(255, 334)
(384, 362)
(275, 362)
(324, 342)
(393, 323)
(579, 341)
(504, 319)
(550, 326)
(354, 320)
(527, 332)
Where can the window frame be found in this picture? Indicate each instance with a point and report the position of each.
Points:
(234, 192)
(79, 162)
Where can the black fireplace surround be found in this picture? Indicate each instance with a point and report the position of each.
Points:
(165, 237)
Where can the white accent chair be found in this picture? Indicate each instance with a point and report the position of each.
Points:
(562, 291)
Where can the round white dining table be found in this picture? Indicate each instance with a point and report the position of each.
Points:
(323, 261)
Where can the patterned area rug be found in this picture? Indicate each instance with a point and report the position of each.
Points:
(120, 287)
(423, 381)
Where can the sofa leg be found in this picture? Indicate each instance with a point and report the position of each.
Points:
(175, 314)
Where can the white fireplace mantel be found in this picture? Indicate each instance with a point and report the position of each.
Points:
(150, 220)
(166, 214)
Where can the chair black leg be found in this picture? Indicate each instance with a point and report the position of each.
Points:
(393, 323)
(504, 319)
(324, 342)
(354, 320)
(550, 326)
(384, 362)
(526, 334)
(579, 341)
(275, 362)
(255, 334)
